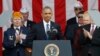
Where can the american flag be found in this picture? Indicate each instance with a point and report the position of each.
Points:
(62, 9)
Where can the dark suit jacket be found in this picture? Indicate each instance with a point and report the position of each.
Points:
(70, 35)
(71, 21)
(96, 42)
(9, 42)
(93, 44)
(78, 40)
(69, 32)
(41, 35)
(38, 33)
(30, 24)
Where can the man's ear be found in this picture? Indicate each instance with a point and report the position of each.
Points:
(11, 20)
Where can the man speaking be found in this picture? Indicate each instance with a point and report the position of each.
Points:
(46, 29)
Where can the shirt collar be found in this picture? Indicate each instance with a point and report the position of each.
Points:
(25, 23)
(94, 26)
(46, 22)
(16, 27)
(76, 19)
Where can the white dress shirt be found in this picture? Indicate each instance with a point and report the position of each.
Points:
(92, 27)
(17, 31)
(25, 23)
(45, 25)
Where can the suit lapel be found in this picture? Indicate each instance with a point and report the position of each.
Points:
(43, 30)
(52, 25)
(13, 31)
(28, 23)
(87, 27)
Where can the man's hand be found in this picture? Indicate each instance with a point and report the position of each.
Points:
(17, 38)
(87, 34)
(22, 36)
(29, 49)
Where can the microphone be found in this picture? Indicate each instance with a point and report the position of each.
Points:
(49, 32)
(54, 30)
(52, 33)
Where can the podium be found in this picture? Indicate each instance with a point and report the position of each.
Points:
(39, 47)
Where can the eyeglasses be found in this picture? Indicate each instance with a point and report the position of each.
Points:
(78, 9)
(80, 16)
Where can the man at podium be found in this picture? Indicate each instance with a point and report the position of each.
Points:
(46, 29)
(47, 32)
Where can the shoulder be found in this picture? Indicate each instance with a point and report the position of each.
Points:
(24, 28)
(98, 28)
(53, 24)
(38, 25)
(9, 30)
(31, 22)
(73, 26)
(71, 21)
(73, 18)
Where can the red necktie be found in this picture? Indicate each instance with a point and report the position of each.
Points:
(76, 44)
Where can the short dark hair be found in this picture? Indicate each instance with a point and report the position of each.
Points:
(47, 7)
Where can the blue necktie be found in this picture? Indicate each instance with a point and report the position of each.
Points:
(47, 29)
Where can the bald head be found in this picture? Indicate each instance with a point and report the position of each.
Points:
(86, 18)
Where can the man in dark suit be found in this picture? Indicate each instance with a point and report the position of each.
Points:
(29, 24)
(71, 29)
(15, 36)
(46, 29)
(90, 40)
(88, 37)
(81, 50)
(78, 7)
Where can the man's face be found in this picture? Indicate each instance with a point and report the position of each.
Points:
(25, 15)
(17, 21)
(77, 10)
(86, 20)
(47, 14)
(80, 21)
(80, 18)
